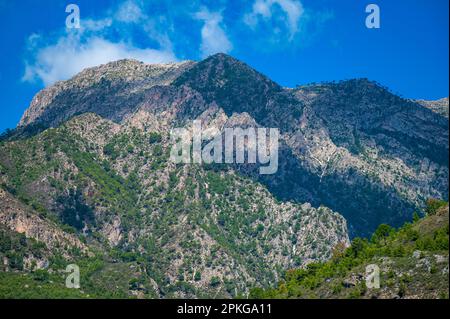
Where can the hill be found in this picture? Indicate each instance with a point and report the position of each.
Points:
(413, 263)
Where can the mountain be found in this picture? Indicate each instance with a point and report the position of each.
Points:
(106, 197)
(101, 90)
(352, 146)
(413, 264)
(86, 177)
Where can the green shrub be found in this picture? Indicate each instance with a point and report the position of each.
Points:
(433, 206)
(155, 138)
(215, 281)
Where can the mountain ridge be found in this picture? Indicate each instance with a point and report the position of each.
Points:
(401, 132)
(90, 163)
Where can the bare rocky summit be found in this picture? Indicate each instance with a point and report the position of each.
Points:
(126, 78)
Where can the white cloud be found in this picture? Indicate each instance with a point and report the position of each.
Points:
(57, 58)
(144, 31)
(214, 38)
(292, 9)
(96, 25)
(69, 56)
(129, 11)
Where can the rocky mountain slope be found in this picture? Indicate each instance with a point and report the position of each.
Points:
(87, 176)
(111, 191)
(412, 262)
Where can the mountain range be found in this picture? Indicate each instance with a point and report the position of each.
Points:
(86, 177)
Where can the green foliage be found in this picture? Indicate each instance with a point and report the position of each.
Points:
(15, 246)
(158, 151)
(155, 138)
(433, 206)
(209, 201)
(382, 232)
(173, 180)
(216, 183)
(28, 286)
(41, 275)
(215, 281)
(111, 151)
(130, 148)
(385, 242)
(416, 217)
(75, 212)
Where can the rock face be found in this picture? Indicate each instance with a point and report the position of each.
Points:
(19, 218)
(92, 155)
(98, 89)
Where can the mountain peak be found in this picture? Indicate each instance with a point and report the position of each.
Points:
(222, 56)
(231, 84)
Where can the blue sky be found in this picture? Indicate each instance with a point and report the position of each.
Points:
(291, 41)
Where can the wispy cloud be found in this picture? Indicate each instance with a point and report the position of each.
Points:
(265, 11)
(130, 11)
(214, 38)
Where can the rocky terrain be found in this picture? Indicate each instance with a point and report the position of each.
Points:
(108, 192)
(86, 175)
(412, 263)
